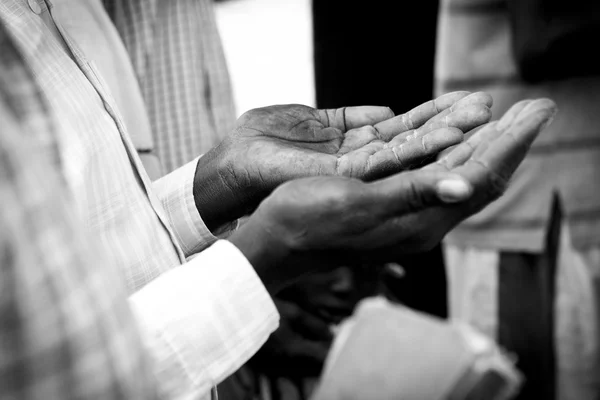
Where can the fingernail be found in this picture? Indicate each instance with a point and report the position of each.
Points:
(549, 120)
(453, 190)
(546, 123)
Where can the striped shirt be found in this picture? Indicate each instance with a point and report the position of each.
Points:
(200, 323)
(474, 53)
(88, 25)
(66, 329)
(178, 58)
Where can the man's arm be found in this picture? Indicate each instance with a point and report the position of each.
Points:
(181, 334)
(204, 319)
(176, 192)
(64, 307)
(273, 145)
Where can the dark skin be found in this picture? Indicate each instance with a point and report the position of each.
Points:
(298, 347)
(314, 297)
(308, 310)
(273, 145)
(314, 218)
(303, 224)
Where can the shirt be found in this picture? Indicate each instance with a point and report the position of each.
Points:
(92, 30)
(150, 228)
(66, 330)
(177, 55)
(474, 52)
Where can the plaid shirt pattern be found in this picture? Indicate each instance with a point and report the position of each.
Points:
(117, 204)
(178, 58)
(66, 331)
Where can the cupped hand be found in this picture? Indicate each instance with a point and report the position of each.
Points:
(272, 145)
(403, 213)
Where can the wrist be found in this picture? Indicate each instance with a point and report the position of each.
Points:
(265, 253)
(214, 196)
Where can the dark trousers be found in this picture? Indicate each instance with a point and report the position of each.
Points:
(526, 313)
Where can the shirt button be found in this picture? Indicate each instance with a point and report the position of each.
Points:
(35, 6)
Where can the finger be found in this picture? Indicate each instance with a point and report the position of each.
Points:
(460, 154)
(504, 155)
(394, 159)
(477, 98)
(483, 139)
(417, 116)
(413, 191)
(465, 119)
(464, 151)
(512, 113)
(347, 118)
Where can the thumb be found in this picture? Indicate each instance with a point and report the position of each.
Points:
(416, 190)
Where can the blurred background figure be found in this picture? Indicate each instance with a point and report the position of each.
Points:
(526, 269)
(178, 58)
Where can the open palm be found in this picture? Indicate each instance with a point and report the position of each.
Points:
(403, 213)
(275, 144)
(283, 142)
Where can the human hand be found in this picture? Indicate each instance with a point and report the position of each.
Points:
(380, 220)
(272, 145)
(307, 309)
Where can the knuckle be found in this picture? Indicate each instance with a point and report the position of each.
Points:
(496, 186)
(371, 131)
(424, 145)
(414, 197)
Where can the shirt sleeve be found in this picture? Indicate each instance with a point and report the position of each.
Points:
(175, 191)
(203, 320)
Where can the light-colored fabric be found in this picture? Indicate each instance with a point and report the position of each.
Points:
(178, 57)
(175, 325)
(388, 351)
(175, 191)
(66, 331)
(474, 53)
(89, 26)
(472, 276)
(121, 210)
(473, 298)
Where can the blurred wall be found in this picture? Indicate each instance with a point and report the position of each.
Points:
(268, 45)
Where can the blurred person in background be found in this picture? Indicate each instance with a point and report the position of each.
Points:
(526, 269)
(165, 67)
(178, 59)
